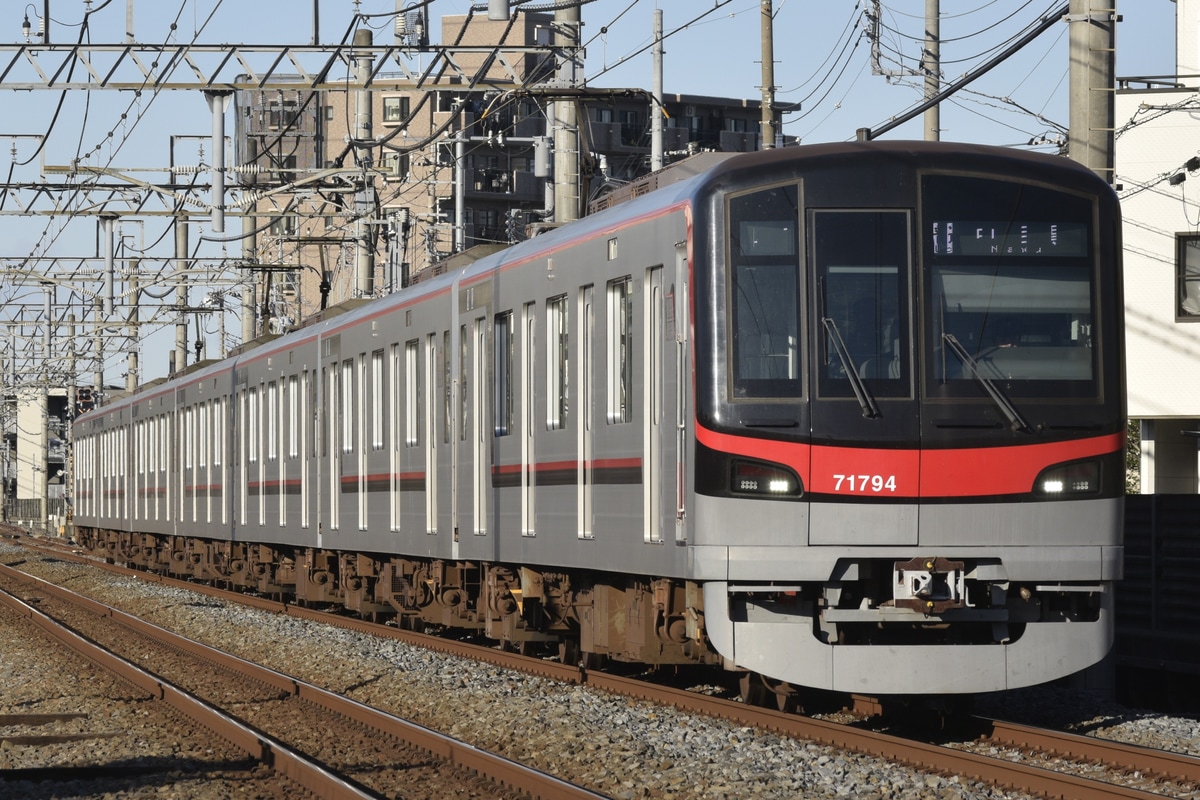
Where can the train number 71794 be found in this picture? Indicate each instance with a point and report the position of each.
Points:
(864, 483)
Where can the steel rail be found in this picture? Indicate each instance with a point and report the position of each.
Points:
(452, 751)
(260, 747)
(930, 757)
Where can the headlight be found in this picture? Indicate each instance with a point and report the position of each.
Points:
(1081, 477)
(764, 480)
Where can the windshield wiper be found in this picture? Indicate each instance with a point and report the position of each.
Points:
(869, 409)
(1010, 411)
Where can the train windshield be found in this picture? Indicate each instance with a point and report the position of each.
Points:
(764, 281)
(1009, 289)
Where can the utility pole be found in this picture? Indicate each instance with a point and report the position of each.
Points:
(364, 230)
(931, 66)
(1093, 90)
(181, 292)
(566, 117)
(768, 76)
(656, 117)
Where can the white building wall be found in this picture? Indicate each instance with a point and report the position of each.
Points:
(1158, 131)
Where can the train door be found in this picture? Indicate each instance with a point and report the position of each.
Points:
(865, 417)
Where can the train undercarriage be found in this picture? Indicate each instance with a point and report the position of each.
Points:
(588, 617)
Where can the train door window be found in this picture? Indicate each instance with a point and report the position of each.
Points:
(281, 476)
(304, 445)
(394, 395)
(447, 389)
(861, 264)
(412, 394)
(203, 443)
(431, 439)
(619, 359)
(252, 427)
(463, 384)
(503, 401)
(585, 479)
(361, 393)
(272, 413)
(480, 438)
(332, 429)
(654, 324)
(295, 422)
(377, 403)
(528, 417)
(764, 285)
(346, 406)
(557, 366)
(219, 433)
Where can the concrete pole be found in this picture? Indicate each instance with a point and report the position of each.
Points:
(768, 76)
(218, 104)
(98, 349)
(109, 244)
(460, 186)
(250, 256)
(1093, 86)
(566, 117)
(656, 117)
(135, 290)
(364, 231)
(931, 65)
(181, 291)
(248, 306)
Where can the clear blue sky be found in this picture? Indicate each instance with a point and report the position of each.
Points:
(822, 60)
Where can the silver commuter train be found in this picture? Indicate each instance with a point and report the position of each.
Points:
(844, 416)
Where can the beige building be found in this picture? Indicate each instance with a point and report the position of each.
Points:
(456, 164)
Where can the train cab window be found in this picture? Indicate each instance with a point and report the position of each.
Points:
(764, 268)
(1009, 289)
(861, 265)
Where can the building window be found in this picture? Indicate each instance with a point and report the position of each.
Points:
(1187, 277)
(395, 109)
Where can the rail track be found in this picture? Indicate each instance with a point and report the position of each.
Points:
(328, 744)
(1018, 758)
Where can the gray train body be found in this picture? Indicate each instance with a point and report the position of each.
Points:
(550, 444)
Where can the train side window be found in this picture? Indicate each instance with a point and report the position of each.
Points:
(764, 285)
(294, 420)
(503, 402)
(447, 389)
(619, 356)
(557, 366)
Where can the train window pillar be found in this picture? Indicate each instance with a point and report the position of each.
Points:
(586, 402)
(480, 437)
(528, 416)
(394, 392)
(654, 324)
(431, 460)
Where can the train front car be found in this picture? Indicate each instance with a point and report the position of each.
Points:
(909, 434)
